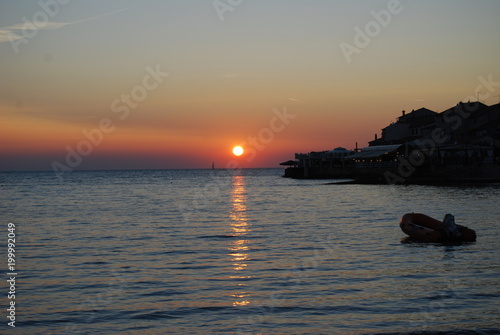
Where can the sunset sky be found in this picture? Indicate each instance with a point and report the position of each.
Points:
(177, 84)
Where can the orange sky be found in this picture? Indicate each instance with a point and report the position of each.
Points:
(179, 86)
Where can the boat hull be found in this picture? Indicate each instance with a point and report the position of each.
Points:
(426, 229)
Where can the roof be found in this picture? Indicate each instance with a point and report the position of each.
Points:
(339, 149)
(376, 151)
(469, 107)
(488, 109)
(382, 147)
(290, 163)
(417, 114)
(463, 147)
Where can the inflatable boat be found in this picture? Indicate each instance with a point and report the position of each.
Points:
(426, 229)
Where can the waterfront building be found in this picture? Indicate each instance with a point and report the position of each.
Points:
(460, 143)
(322, 164)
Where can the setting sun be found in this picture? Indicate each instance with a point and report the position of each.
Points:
(238, 151)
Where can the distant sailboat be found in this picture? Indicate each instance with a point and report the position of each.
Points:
(213, 165)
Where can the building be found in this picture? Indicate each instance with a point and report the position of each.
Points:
(460, 143)
(322, 164)
(407, 128)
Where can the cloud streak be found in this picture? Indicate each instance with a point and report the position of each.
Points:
(14, 32)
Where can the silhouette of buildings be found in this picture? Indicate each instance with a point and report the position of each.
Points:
(458, 144)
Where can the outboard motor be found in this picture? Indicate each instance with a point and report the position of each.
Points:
(450, 227)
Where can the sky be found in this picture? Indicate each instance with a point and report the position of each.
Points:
(118, 84)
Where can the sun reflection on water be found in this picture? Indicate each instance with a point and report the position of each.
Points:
(239, 248)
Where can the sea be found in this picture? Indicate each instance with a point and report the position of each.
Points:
(241, 252)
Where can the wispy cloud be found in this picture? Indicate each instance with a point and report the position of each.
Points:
(295, 99)
(12, 33)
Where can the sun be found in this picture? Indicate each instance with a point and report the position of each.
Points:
(238, 151)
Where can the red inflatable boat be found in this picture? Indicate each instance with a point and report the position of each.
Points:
(426, 229)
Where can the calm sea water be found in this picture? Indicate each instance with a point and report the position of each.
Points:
(212, 252)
